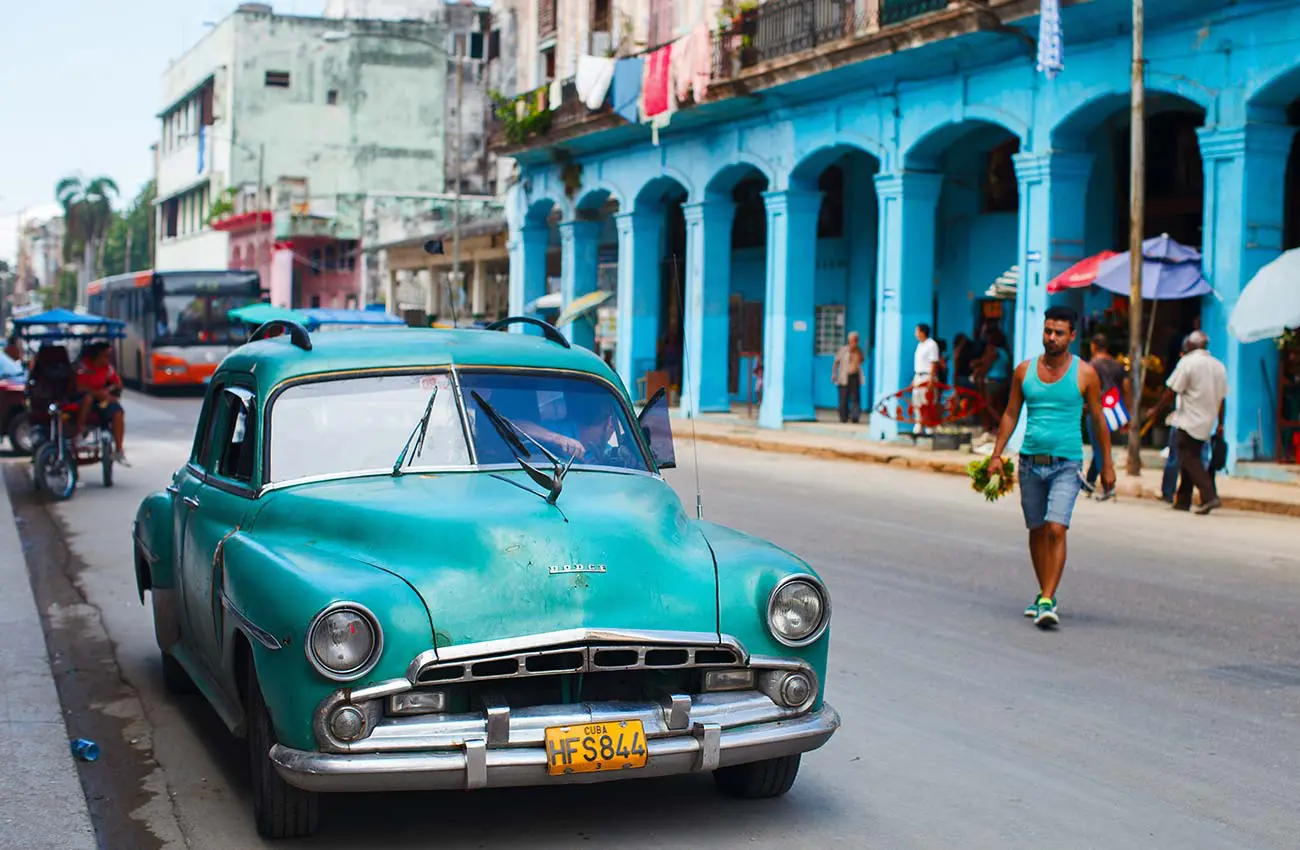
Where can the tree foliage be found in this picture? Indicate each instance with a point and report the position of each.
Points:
(137, 221)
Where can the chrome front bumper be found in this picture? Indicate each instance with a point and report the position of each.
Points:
(705, 746)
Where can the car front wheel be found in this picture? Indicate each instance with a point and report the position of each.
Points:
(758, 780)
(280, 810)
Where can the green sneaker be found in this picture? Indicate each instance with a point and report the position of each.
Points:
(1032, 610)
(1045, 617)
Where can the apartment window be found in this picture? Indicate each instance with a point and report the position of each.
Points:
(599, 15)
(277, 79)
(315, 260)
(207, 115)
(828, 326)
(548, 65)
(171, 212)
(546, 19)
(331, 257)
(494, 45)
(663, 21)
(332, 97)
(476, 45)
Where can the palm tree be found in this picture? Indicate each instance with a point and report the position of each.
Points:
(87, 213)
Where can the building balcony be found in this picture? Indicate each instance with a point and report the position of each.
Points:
(780, 41)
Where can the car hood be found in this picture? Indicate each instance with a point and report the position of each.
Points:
(492, 560)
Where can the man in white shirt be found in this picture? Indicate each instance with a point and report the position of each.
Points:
(925, 368)
(1201, 385)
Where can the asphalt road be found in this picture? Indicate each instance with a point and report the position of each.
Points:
(1165, 712)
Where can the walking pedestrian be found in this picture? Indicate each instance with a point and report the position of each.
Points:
(1200, 383)
(1053, 388)
(1111, 374)
(848, 377)
(925, 369)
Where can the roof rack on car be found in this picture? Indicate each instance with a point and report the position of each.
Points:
(548, 330)
(297, 333)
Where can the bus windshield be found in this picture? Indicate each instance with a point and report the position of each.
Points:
(197, 319)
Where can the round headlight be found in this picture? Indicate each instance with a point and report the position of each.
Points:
(344, 641)
(798, 610)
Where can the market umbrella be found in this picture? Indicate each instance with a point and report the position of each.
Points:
(1270, 304)
(1170, 271)
(1082, 273)
(581, 306)
(259, 314)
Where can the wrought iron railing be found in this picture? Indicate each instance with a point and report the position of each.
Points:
(784, 27)
(897, 11)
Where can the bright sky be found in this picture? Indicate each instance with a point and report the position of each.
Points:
(80, 83)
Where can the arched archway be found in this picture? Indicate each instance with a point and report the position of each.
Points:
(589, 263)
(728, 266)
(535, 262)
(651, 284)
(844, 283)
(1175, 204)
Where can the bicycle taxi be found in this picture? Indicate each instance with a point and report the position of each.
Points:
(53, 399)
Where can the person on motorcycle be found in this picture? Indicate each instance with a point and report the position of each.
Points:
(101, 387)
(14, 350)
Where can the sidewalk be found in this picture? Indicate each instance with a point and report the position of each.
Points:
(831, 439)
(42, 805)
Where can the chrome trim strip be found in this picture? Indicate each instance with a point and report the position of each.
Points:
(476, 764)
(498, 720)
(434, 470)
(254, 631)
(461, 409)
(375, 651)
(817, 583)
(517, 767)
(576, 637)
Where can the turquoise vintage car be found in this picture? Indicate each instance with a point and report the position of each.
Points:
(446, 559)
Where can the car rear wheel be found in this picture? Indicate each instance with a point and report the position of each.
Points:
(175, 679)
(20, 433)
(280, 810)
(760, 779)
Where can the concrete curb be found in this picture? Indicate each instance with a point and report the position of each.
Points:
(749, 440)
(42, 804)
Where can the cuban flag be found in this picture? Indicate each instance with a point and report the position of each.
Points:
(1113, 409)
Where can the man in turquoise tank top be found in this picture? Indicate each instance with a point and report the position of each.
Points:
(1053, 388)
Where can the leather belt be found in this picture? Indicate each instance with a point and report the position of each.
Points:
(1044, 460)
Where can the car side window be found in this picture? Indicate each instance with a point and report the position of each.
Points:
(209, 420)
(235, 440)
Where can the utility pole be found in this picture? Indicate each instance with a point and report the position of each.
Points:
(1137, 219)
(455, 232)
(126, 261)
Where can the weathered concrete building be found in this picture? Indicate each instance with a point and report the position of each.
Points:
(872, 164)
(40, 255)
(276, 130)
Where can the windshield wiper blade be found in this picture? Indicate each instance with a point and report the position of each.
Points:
(417, 434)
(509, 431)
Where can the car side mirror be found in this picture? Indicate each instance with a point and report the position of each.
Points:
(656, 425)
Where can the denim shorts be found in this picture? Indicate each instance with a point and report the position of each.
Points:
(1048, 490)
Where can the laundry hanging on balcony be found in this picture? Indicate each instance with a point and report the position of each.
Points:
(1051, 52)
(627, 87)
(595, 73)
(692, 64)
(656, 94)
(556, 94)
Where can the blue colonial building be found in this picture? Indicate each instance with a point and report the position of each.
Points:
(871, 164)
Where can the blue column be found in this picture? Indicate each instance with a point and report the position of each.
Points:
(788, 313)
(527, 249)
(640, 236)
(1245, 189)
(579, 244)
(708, 293)
(905, 281)
(1053, 215)
(861, 230)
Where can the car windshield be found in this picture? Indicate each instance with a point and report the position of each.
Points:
(335, 427)
(9, 368)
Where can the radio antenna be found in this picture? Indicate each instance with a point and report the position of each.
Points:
(686, 386)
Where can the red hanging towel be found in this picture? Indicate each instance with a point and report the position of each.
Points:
(655, 89)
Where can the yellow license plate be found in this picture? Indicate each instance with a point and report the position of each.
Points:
(591, 747)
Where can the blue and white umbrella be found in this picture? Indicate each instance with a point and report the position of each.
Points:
(1051, 52)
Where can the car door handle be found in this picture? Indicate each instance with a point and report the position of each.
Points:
(173, 489)
(191, 501)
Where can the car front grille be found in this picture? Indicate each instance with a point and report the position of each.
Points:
(579, 659)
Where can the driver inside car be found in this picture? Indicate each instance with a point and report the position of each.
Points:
(100, 387)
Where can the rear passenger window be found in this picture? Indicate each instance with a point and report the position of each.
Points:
(236, 440)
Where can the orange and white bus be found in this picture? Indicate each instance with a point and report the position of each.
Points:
(177, 330)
